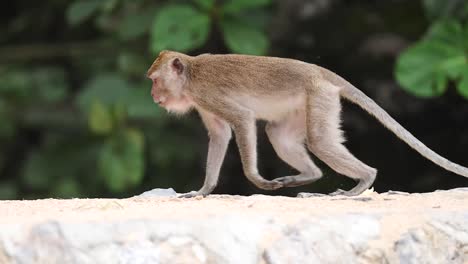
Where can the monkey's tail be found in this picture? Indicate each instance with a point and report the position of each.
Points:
(358, 97)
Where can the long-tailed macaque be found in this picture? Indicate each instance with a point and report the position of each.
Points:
(300, 102)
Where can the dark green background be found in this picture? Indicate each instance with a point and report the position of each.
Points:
(77, 118)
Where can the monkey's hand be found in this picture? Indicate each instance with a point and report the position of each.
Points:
(192, 194)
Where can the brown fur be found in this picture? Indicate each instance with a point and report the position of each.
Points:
(300, 102)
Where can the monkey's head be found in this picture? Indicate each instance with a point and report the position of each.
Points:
(169, 75)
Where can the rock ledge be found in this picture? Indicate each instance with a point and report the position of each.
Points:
(391, 227)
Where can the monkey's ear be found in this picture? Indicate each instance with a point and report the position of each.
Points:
(178, 66)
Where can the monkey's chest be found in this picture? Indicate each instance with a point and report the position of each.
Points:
(272, 108)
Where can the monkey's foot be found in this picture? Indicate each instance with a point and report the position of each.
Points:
(296, 180)
(191, 194)
(362, 185)
(269, 185)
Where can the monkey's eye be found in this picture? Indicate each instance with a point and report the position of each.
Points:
(155, 81)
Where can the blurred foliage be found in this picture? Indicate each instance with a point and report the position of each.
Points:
(240, 34)
(77, 116)
(441, 56)
(90, 123)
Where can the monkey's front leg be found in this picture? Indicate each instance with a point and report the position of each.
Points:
(220, 134)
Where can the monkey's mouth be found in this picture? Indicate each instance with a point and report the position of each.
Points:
(159, 100)
(160, 103)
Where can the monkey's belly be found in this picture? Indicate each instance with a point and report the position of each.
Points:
(272, 109)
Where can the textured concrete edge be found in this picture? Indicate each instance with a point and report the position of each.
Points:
(235, 239)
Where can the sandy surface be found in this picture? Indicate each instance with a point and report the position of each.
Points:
(397, 213)
(284, 208)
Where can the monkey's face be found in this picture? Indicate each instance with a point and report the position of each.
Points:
(168, 88)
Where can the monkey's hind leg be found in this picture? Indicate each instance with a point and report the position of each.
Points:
(287, 137)
(325, 139)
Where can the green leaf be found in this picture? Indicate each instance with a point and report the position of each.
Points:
(121, 161)
(462, 85)
(205, 4)
(243, 38)
(100, 119)
(450, 32)
(81, 10)
(108, 89)
(119, 113)
(112, 90)
(168, 33)
(446, 31)
(440, 83)
(454, 66)
(235, 6)
(135, 25)
(422, 69)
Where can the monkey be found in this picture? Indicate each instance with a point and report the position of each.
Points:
(301, 103)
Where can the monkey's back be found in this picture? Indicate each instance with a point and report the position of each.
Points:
(258, 74)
